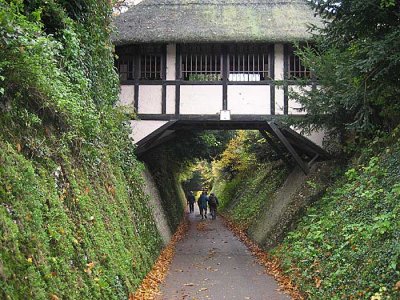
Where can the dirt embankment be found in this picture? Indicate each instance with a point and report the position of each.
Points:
(288, 203)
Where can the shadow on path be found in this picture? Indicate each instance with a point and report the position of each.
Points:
(211, 263)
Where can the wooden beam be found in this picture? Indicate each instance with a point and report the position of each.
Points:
(136, 80)
(178, 62)
(155, 134)
(310, 163)
(164, 78)
(140, 151)
(285, 78)
(289, 147)
(307, 142)
(224, 58)
(275, 147)
(271, 56)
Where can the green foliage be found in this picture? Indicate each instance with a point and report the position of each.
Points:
(71, 230)
(74, 221)
(235, 158)
(172, 163)
(357, 62)
(246, 176)
(245, 149)
(244, 197)
(347, 244)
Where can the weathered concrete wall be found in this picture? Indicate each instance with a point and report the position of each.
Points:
(156, 207)
(282, 211)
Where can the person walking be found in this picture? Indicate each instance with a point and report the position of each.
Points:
(213, 204)
(190, 201)
(202, 202)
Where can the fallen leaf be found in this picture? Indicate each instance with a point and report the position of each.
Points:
(189, 284)
(149, 288)
(317, 282)
(272, 265)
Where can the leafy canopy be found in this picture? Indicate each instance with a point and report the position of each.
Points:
(356, 59)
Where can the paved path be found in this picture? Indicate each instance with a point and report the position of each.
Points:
(211, 263)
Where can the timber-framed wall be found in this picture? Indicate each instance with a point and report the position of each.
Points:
(170, 93)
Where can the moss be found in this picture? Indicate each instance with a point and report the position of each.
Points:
(74, 220)
(219, 21)
(85, 239)
(347, 242)
(244, 197)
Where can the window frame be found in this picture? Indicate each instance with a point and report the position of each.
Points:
(138, 54)
(299, 72)
(205, 61)
(248, 53)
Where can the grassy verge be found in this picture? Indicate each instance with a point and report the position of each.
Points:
(243, 197)
(347, 244)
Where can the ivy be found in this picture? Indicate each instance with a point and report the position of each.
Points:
(74, 221)
(347, 243)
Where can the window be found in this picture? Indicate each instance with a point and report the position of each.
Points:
(201, 62)
(151, 62)
(296, 70)
(150, 67)
(248, 62)
(144, 62)
(125, 68)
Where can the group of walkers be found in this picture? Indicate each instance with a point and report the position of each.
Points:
(203, 201)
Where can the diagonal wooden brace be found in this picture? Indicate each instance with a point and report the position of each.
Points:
(275, 147)
(289, 147)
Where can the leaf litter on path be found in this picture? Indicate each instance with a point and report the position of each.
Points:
(149, 289)
(272, 265)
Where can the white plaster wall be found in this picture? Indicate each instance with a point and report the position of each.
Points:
(197, 99)
(249, 100)
(142, 128)
(171, 61)
(293, 105)
(150, 98)
(279, 62)
(127, 95)
(279, 100)
(317, 137)
(170, 105)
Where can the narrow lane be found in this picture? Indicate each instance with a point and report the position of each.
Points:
(211, 263)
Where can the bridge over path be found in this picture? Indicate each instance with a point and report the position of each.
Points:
(281, 138)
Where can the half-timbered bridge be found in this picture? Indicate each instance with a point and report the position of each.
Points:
(215, 64)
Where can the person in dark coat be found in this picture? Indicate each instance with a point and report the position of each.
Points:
(213, 204)
(202, 202)
(190, 201)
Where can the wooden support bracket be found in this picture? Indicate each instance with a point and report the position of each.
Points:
(275, 147)
(289, 147)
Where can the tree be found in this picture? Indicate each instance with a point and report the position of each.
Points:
(356, 59)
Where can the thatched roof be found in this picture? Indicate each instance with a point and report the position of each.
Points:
(185, 21)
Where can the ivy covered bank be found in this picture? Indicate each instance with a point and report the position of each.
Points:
(74, 221)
